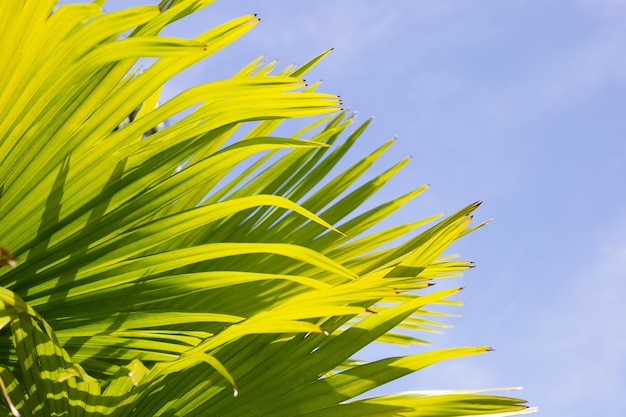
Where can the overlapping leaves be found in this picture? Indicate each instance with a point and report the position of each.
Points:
(210, 257)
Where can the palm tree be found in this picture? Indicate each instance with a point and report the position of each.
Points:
(209, 267)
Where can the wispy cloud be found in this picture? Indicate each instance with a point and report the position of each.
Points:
(583, 338)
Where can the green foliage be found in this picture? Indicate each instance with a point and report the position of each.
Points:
(160, 275)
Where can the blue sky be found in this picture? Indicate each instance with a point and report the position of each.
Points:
(517, 103)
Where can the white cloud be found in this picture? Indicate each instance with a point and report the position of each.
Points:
(573, 75)
(583, 336)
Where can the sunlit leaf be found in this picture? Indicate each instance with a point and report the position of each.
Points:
(160, 255)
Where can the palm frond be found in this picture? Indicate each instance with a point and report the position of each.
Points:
(158, 271)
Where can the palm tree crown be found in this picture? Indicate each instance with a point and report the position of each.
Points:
(204, 267)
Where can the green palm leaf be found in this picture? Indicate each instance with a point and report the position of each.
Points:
(156, 270)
